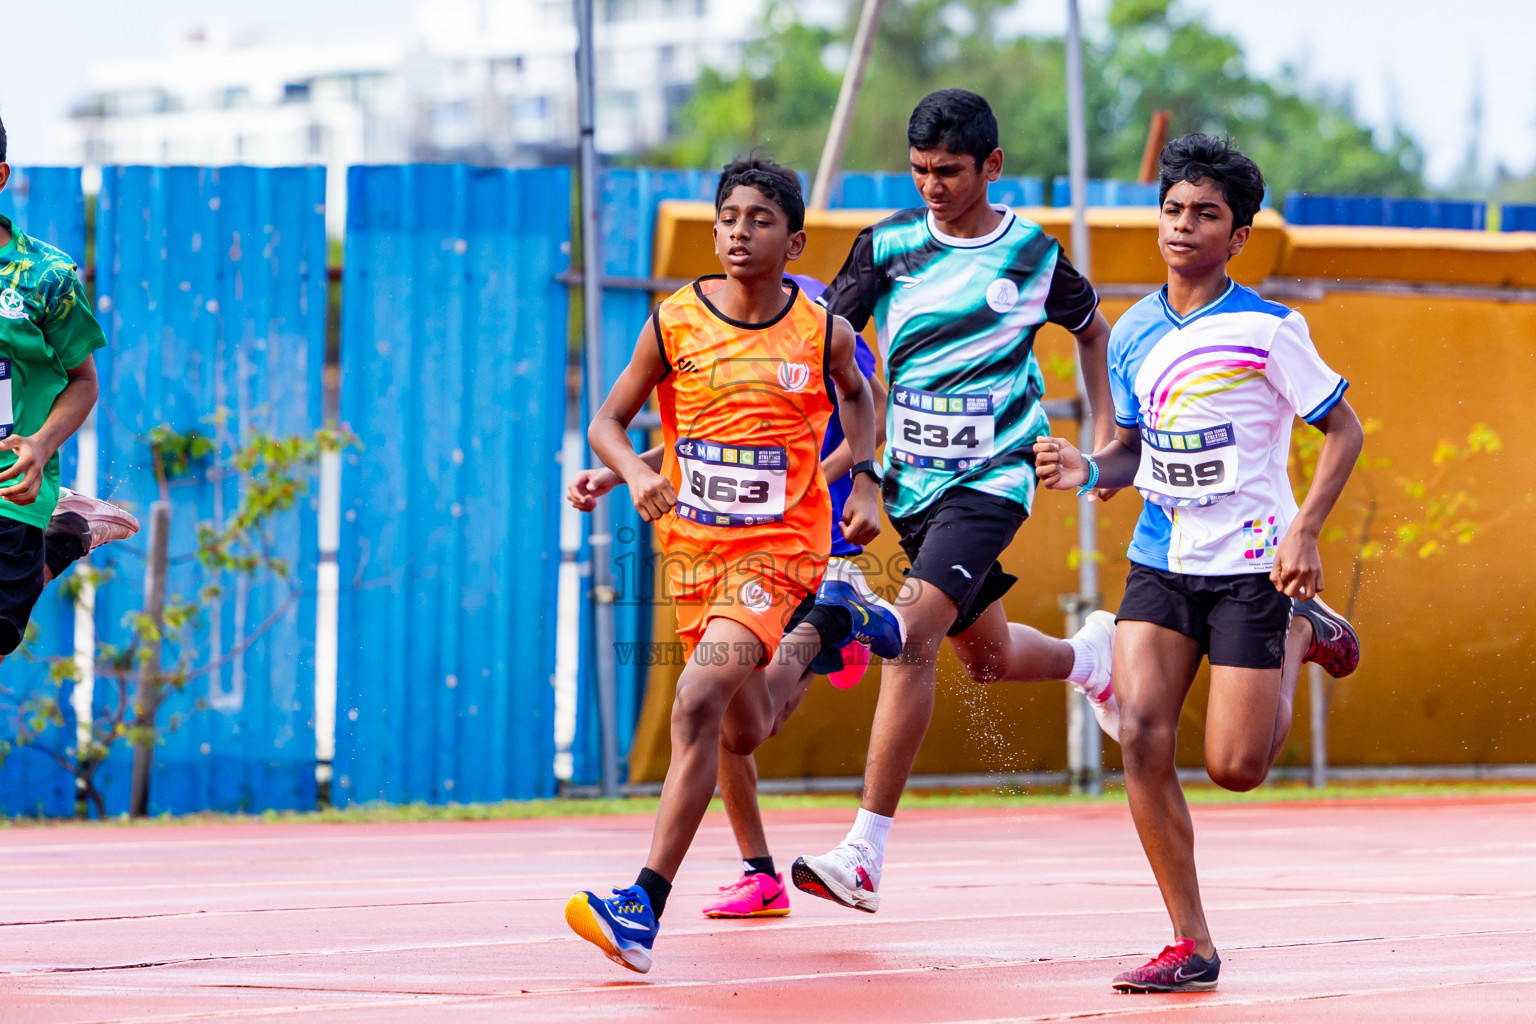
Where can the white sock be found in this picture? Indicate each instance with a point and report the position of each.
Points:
(1084, 661)
(872, 828)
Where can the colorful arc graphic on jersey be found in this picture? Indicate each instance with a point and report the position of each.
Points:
(1187, 379)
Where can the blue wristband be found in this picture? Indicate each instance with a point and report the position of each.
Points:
(1093, 476)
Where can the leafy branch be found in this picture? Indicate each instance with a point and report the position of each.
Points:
(275, 472)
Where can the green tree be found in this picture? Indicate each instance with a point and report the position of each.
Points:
(1149, 55)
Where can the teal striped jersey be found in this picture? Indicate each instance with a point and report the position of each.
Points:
(956, 320)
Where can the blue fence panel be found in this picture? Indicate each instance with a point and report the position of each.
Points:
(453, 354)
(878, 190)
(1517, 218)
(1105, 192)
(212, 288)
(875, 190)
(630, 200)
(1380, 211)
(47, 204)
(1018, 191)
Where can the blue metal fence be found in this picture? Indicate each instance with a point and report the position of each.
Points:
(453, 348)
(211, 288)
(1105, 192)
(47, 204)
(1514, 217)
(1380, 211)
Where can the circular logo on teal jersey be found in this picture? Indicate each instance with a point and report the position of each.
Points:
(12, 305)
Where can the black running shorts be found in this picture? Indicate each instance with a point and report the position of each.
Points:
(954, 544)
(1240, 621)
(21, 579)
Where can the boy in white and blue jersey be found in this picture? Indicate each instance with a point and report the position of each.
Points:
(1208, 379)
(958, 291)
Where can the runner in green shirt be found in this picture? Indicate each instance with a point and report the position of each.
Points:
(47, 389)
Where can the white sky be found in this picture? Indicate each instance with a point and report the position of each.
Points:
(1417, 58)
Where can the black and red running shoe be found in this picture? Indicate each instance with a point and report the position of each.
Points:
(1176, 969)
(1335, 644)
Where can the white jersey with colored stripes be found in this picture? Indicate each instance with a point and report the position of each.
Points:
(1214, 394)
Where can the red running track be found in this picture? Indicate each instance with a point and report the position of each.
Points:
(1394, 910)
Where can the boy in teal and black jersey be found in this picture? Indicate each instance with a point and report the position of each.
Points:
(47, 389)
(958, 290)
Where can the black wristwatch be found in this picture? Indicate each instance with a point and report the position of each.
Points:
(869, 467)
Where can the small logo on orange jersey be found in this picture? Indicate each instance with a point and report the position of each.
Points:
(794, 376)
(755, 596)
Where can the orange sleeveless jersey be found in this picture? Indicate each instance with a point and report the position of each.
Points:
(744, 409)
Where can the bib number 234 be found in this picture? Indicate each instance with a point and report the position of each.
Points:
(942, 431)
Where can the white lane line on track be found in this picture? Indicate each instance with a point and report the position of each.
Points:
(466, 1000)
(778, 926)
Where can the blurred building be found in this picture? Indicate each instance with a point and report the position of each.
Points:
(483, 81)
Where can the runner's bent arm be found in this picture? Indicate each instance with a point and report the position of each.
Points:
(1298, 570)
(69, 413)
(591, 484)
(1061, 467)
(649, 490)
(840, 459)
(856, 410)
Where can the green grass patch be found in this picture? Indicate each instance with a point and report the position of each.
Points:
(646, 805)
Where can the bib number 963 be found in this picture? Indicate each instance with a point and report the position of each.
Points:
(731, 485)
(724, 489)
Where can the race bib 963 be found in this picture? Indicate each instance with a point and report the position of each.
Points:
(731, 485)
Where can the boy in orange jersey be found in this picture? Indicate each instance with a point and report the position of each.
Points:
(744, 366)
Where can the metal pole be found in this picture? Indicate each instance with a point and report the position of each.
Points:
(147, 700)
(1084, 742)
(1318, 691)
(847, 98)
(599, 539)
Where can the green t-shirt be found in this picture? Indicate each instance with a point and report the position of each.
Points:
(46, 329)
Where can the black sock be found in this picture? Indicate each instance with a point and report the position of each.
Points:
(759, 866)
(832, 623)
(657, 888)
(65, 541)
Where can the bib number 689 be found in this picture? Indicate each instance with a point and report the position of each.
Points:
(1182, 474)
(724, 489)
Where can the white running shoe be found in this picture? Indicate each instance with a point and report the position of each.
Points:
(1099, 632)
(849, 875)
(105, 521)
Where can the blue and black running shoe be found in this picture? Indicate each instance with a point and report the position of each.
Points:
(622, 927)
(1178, 968)
(876, 622)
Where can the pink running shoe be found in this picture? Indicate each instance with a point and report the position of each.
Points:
(754, 895)
(104, 521)
(855, 664)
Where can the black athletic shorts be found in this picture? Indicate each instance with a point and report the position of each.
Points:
(21, 579)
(1240, 621)
(955, 543)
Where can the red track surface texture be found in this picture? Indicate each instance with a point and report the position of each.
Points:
(1346, 911)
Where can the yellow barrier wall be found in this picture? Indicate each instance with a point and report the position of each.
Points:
(1446, 671)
